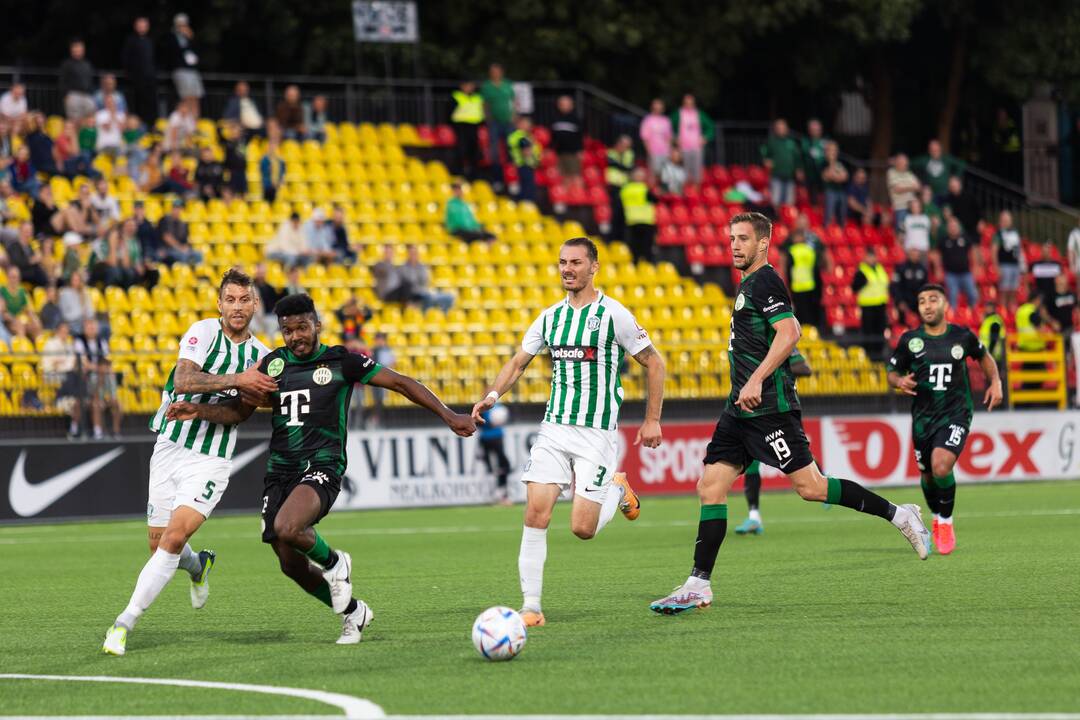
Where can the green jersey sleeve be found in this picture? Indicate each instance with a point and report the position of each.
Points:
(973, 347)
(359, 368)
(900, 361)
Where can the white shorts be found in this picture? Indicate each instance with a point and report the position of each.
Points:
(179, 476)
(565, 455)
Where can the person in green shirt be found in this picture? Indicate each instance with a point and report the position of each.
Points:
(782, 157)
(461, 221)
(16, 311)
(813, 156)
(498, 94)
(935, 168)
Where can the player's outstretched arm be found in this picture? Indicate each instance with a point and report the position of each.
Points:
(993, 395)
(233, 412)
(415, 391)
(649, 433)
(190, 379)
(511, 372)
(787, 336)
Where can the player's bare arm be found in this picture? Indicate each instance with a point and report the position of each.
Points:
(418, 394)
(993, 395)
(787, 336)
(905, 383)
(233, 412)
(509, 375)
(190, 378)
(649, 433)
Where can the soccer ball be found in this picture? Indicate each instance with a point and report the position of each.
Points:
(499, 633)
(498, 416)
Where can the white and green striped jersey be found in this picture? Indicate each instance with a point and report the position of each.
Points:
(206, 345)
(587, 347)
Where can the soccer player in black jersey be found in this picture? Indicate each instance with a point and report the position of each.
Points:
(307, 450)
(930, 364)
(762, 420)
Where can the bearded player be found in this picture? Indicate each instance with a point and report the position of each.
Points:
(930, 364)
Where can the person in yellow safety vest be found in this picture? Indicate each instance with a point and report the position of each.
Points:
(620, 163)
(871, 286)
(639, 207)
(525, 155)
(992, 333)
(467, 117)
(802, 278)
(1028, 321)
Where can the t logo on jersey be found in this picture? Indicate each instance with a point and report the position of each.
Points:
(940, 375)
(296, 402)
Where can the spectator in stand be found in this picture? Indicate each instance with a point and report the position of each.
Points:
(80, 216)
(109, 122)
(461, 220)
(1045, 271)
(76, 305)
(152, 178)
(467, 117)
(1062, 307)
(182, 125)
(60, 366)
(908, 278)
(812, 148)
(834, 177)
(568, 139)
(871, 286)
(1009, 254)
(931, 208)
(319, 237)
(620, 163)
(209, 175)
(1072, 245)
(390, 285)
(34, 267)
(290, 114)
(417, 277)
(13, 105)
(672, 173)
(956, 258)
(242, 109)
(344, 249)
(272, 171)
(184, 62)
(179, 174)
(903, 188)
(7, 145)
(917, 229)
(289, 246)
(352, 316)
(525, 154)
(107, 265)
(42, 148)
(964, 206)
(803, 280)
(656, 136)
(1007, 159)
(173, 231)
(140, 70)
(23, 174)
(293, 282)
(107, 89)
(936, 168)
(16, 310)
(498, 94)
(639, 208)
(264, 321)
(107, 207)
(87, 136)
(77, 83)
(45, 215)
(66, 152)
(133, 149)
(316, 118)
(780, 155)
(694, 130)
(231, 139)
(95, 364)
(152, 247)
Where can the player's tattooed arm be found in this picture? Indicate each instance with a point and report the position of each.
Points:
(190, 379)
(655, 371)
(232, 412)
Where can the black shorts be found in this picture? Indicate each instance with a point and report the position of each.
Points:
(951, 437)
(276, 489)
(776, 440)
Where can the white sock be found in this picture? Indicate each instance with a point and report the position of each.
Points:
(755, 515)
(531, 565)
(937, 518)
(900, 516)
(189, 560)
(696, 583)
(155, 575)
(945, 520)
(611, 504)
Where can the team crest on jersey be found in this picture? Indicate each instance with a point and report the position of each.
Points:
(593, 323)
(322, 376)
(957, 352)
(740, 301)
(915, 345)
(275, 367)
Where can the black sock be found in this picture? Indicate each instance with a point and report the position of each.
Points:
(752, 489)
(855, 496)
(710, 535)
(331, 561)
(351, 607)
(931, 493)
(946, 492)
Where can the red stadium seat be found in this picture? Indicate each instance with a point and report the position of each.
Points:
(669, 235)
(721, 177)
(696, 255)
(663, 215)
(699, 215)
(542, 135)
(598, 195)
(680, 215)
(444, 136)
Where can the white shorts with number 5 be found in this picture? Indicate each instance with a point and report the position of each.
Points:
(179, 476)
(568, 455)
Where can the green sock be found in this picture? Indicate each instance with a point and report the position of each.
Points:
(323, 594)
(946, 481)
(320, 553)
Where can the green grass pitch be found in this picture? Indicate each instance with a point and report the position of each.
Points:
(828, 612)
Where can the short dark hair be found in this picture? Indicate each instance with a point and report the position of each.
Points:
(761, 224)
(932, 287)
(234, 276)
(589, 245)
(298, 304)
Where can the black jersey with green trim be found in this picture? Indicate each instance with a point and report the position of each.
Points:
(939, 363)
(311, 405)
(761, 301)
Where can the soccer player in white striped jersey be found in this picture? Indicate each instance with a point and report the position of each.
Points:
(192, 460)
(588, 334)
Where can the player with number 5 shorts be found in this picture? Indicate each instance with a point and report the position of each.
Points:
(588, 333)
(930, 364)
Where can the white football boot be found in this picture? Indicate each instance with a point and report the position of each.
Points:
(912, 527)
(353, 624)
(115, 640)
(338, 577)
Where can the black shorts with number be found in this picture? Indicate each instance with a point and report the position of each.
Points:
(777, 439)
(277, 488)
(951, 437)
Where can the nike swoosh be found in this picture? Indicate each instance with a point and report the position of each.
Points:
(28, 500)
(593, 489)
(784, 465)
(246, 457)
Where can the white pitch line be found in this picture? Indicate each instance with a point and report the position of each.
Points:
(353, 707)
(852, 716)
